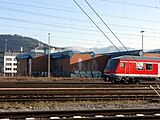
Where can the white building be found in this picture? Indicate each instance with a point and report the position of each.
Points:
(10, 63)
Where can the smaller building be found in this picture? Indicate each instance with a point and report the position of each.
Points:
(10, 64)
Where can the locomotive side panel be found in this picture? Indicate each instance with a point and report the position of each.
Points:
(137, 69)
(120, 69)
(127, 70)
(150, 69)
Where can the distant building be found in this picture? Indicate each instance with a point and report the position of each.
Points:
(10, 63)
(67, 63)
(44, 49)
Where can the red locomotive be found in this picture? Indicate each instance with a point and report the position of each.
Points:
(129, 69)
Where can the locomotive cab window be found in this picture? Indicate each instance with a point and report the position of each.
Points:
(111, 65)
(148, 66)
(122, 64)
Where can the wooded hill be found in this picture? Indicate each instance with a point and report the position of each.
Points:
(14, 43)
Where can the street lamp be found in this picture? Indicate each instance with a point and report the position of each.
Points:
(142, 41)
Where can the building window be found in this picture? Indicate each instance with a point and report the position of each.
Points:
(15, 64)
(8, 68)
(148, 66)
(9, 64)
(122, 64)
(14, 68)
(139, 66)
(8, 59)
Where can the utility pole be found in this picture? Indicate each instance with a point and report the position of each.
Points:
(5, 46)
(142, 42)
(49, 55)
(5, 50)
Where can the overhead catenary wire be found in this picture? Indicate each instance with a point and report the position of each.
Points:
(47, 15)
(67, 18)
(61, 26)
(65, 27)
(96, 25)
(132, 4)
(35, 22)
(33, 13)
(48, 4)
(111, 1)
(115, 37)
(105, 24)
(68, 32)
(40, 7)
(105, 34)
(72, 19)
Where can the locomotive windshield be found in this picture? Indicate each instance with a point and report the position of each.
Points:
(111, 65)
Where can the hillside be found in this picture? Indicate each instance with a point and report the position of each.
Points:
(107, 49)
(154, 51)
(15, 42)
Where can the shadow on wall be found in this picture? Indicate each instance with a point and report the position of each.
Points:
(86, 74)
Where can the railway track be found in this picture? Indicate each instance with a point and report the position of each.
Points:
(62, 94)
(108, 114)
(56, 84)
(81, 90)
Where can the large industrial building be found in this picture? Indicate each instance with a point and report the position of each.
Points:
(63, 64)
(67, 63)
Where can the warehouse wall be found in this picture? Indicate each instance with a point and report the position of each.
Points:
(22, 67)
(86, 66)
(79, 62)
(65, 66)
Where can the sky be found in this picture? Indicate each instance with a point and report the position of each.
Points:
(68, 25)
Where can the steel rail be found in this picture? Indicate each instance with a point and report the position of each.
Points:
(77, 91)
(86, 114)
(55, 84)
(9, 94)
(76, 98)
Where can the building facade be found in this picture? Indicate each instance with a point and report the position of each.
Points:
(10, 64)
(64, 64)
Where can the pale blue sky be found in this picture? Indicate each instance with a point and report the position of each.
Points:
(69, 26)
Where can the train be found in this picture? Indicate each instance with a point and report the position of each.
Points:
(132, 69)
